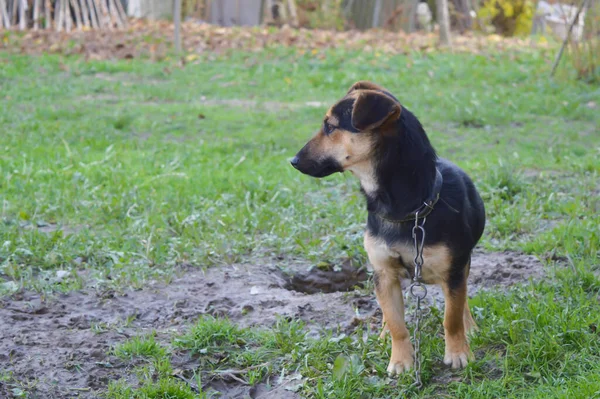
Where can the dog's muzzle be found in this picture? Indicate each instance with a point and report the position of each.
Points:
(294, 161)
(313, 168)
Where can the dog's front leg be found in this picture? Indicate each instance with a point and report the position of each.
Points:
(389, 296)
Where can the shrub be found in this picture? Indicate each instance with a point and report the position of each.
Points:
(321, 14)
(508, 17)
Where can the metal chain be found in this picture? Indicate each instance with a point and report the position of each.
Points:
(419, 292)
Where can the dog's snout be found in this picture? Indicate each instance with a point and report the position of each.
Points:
(294, 161)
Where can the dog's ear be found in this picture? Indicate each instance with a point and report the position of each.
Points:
(365, 85)
(372, 109)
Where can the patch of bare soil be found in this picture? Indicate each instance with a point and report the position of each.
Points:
(57, 346)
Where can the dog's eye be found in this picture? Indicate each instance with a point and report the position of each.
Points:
(327, 128)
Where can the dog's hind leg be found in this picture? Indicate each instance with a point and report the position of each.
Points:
(458, 352)
(389, 296)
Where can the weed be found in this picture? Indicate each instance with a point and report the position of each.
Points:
(138, 193)
(145, 346)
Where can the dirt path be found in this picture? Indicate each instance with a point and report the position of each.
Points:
(58, 346)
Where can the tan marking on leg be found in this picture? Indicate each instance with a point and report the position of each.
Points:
(457, 347)
(389, 295)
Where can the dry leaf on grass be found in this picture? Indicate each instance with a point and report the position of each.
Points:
(154, 40)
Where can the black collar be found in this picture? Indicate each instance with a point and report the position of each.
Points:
(424, 210)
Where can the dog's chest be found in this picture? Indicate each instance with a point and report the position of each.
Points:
(436, 260)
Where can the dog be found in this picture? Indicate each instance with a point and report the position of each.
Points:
(369, 133)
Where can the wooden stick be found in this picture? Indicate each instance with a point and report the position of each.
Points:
(121, 12)
(93, 15)
(48, 14)
(261, 14)
(443, 22)
(36, 14)
(67, 15)
(57, 15)
(98, 11)
(14, 7)
(269, 6)
(207, 10)
(101, 4)
(293, 13)
(562, 48)
(4, 15)
(115, 14)
(85, 14)
(412, 16)
(283, 13)
(111, 14)
(376, 13)
(77, 11)
(105, 14)
(177, 23)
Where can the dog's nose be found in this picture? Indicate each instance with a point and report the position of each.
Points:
(294, 161)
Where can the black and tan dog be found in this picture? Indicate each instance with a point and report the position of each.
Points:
(369, 133)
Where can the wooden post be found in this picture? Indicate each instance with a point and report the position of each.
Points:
(114, 12)
(36, 14)
(102, 7)
(22, 15)
(121, 12)
(207, 11)
(85, 14)
(13, 11)
(77, 12)
(376, 13)
(443, 22)
(4, 14)
(269, 7)
(261, 13)
(93, 14)
(177, 23)
(67, 15)
(293, 13)
(58, 15)
(412, 15)
(283, 13)
(47, 14)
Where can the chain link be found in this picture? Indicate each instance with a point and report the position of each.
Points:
(418, 291)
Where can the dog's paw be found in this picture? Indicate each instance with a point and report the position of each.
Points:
(459, 359)
(402, 357)
(398, 367)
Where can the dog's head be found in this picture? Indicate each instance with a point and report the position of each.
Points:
(349, 131)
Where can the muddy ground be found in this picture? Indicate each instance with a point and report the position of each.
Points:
(56, 347)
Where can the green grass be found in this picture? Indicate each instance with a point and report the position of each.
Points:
(139, 346)
(128, 169)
